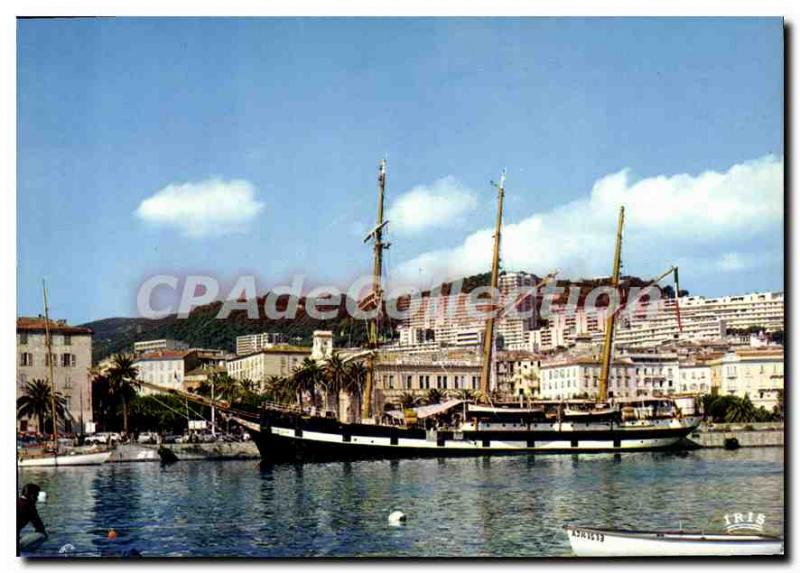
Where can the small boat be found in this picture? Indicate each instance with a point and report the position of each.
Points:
(87, 459)
(592, 542)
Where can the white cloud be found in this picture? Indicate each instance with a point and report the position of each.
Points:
(206, 208)
(667, 218)
(441, 204)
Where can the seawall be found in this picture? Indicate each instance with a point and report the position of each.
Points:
(748, 435)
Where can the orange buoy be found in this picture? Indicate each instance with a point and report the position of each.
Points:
(112, 535)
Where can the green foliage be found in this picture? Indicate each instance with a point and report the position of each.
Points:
(36, 402)
(161, 413)
(735, 410)
(434, 396)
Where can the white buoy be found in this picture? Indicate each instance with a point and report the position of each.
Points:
(42, 498)
(67, 549)
(397, 518)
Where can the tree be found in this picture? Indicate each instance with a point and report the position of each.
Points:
(464, 394)
(308, 377)
(123, 383)
(279, 389)
(741, 410)
(36, 402)
(434, 396)
(408, 400)
(336, 374)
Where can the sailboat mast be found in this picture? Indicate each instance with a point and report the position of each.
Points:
(377, 290)
(50, 359)
(608, 339)
(488, 336)
(377, 257)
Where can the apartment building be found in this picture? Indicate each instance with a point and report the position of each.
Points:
(757, 373)
(250, 343)
(144, 346)
(71, 348)
(630, 376)
(281, 360)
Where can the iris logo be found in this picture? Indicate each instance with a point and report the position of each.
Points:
(735, 522)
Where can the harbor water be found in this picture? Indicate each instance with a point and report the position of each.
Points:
(505, 506)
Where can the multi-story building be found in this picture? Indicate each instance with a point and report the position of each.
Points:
(161, 344)
(517, 373)
(630, 376)
(757, 373)
(71, 348)
(398, 373)
(262, 364)
(250, 343)
(460, 320)
(165, 368)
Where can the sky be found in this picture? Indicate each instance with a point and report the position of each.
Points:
(230, 147)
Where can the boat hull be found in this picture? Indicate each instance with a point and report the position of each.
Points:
(589, 542)
(291, 438)
(91, 459)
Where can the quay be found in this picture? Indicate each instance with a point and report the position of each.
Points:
(751, 435)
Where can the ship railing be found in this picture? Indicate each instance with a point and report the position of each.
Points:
(269, 405)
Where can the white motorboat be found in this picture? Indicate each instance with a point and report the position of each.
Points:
(592, 542)
(85, 459)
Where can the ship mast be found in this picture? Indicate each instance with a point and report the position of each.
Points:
(49, 344)
(378, 247)
(608, 340)
(488, 336)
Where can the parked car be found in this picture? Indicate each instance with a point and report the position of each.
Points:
(148, 438)
(103, 439)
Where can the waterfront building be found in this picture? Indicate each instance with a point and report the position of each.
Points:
(755, 372)
(249, 343)
(630, 376)
(517, 373)
(72, 360)
(165, 368)
(160, 344)
(281, 360)
(447, 370)
(695, 374)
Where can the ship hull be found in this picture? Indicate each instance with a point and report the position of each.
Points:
(288, 438)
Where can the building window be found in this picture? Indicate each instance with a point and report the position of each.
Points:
(26, 359)
(67, 360)
(67, 340)
(23, 338)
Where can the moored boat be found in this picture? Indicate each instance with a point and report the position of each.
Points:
(594, 542)
(65, 459)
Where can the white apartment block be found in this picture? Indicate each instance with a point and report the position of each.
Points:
(764, 309)
(260, 365)
(165, 368)
(161, 344)
(250, 343)
(630, 376)
(71, 348)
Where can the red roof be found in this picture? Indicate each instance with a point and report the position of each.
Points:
(164, 355)
(37, 324)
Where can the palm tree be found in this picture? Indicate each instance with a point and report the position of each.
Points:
(434, 396)
(307, 377)
(36, 402)
(354, 384)
(740, 411)
(279, 389)
(336, 374)
(123, 383)
(464, 394)
(408, 400)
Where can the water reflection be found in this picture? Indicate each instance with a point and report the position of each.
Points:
(501, 506)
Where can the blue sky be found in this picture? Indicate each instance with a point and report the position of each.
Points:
(258, 142)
